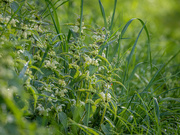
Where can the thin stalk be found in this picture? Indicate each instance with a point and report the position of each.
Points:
(81, 17)
(104, 112)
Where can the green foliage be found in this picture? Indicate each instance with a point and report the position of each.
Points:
(75, 78)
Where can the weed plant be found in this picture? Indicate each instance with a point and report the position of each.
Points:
(76, 78)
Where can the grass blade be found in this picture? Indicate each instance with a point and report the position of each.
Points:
(112, 19)
(157, 112)
(147, 33)
(55, 8)
(157, 115)
(86, 129)
(54, 17)
(132, 52)
(103, 13)
(159, 70)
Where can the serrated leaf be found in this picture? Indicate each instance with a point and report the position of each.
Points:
(14, 6)
(63, 119)
(106, 129)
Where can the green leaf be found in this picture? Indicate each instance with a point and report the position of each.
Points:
(63, 119)
(21, 75)
(106, 129)
(34, 93)
(157, 109)
(14, 6)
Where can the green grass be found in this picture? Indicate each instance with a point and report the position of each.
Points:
(80, 77)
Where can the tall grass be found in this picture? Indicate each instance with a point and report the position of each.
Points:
(85, 80)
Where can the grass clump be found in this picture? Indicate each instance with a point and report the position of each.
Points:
(80, 79)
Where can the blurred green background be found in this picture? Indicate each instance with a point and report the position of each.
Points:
(161, 16)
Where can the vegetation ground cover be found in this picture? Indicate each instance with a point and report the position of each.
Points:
(65, 71)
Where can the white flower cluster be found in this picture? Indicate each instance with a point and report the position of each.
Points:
(82, 103)
(42, 111)
(51, 65)
(103, 55)
(61, 93)
(8, 92)
(103, 96)
(59, 108)
(108, 86)
(25, 33)
(93, 79)
(52, 53)
(6, 20)
(94, 46)
(76, 27)
(37, 56)
(62, 83)
(91, 61)
(40, 45)
(49, 87)
(50, 99)
(38, 28)
(101, 68)
(73, 101)
(98, 37)
(28, 71)
(95, 52)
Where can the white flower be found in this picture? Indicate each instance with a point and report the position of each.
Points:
(10, 118)
(75, 28)
(49, 99)
(82, 103)
(25, 34)
(74, 101)
(59, 108)
(62, 83)
(108, 96)
(103, 55)
(40, 109)
(107, 86)
(102, 95)
(100, 68)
